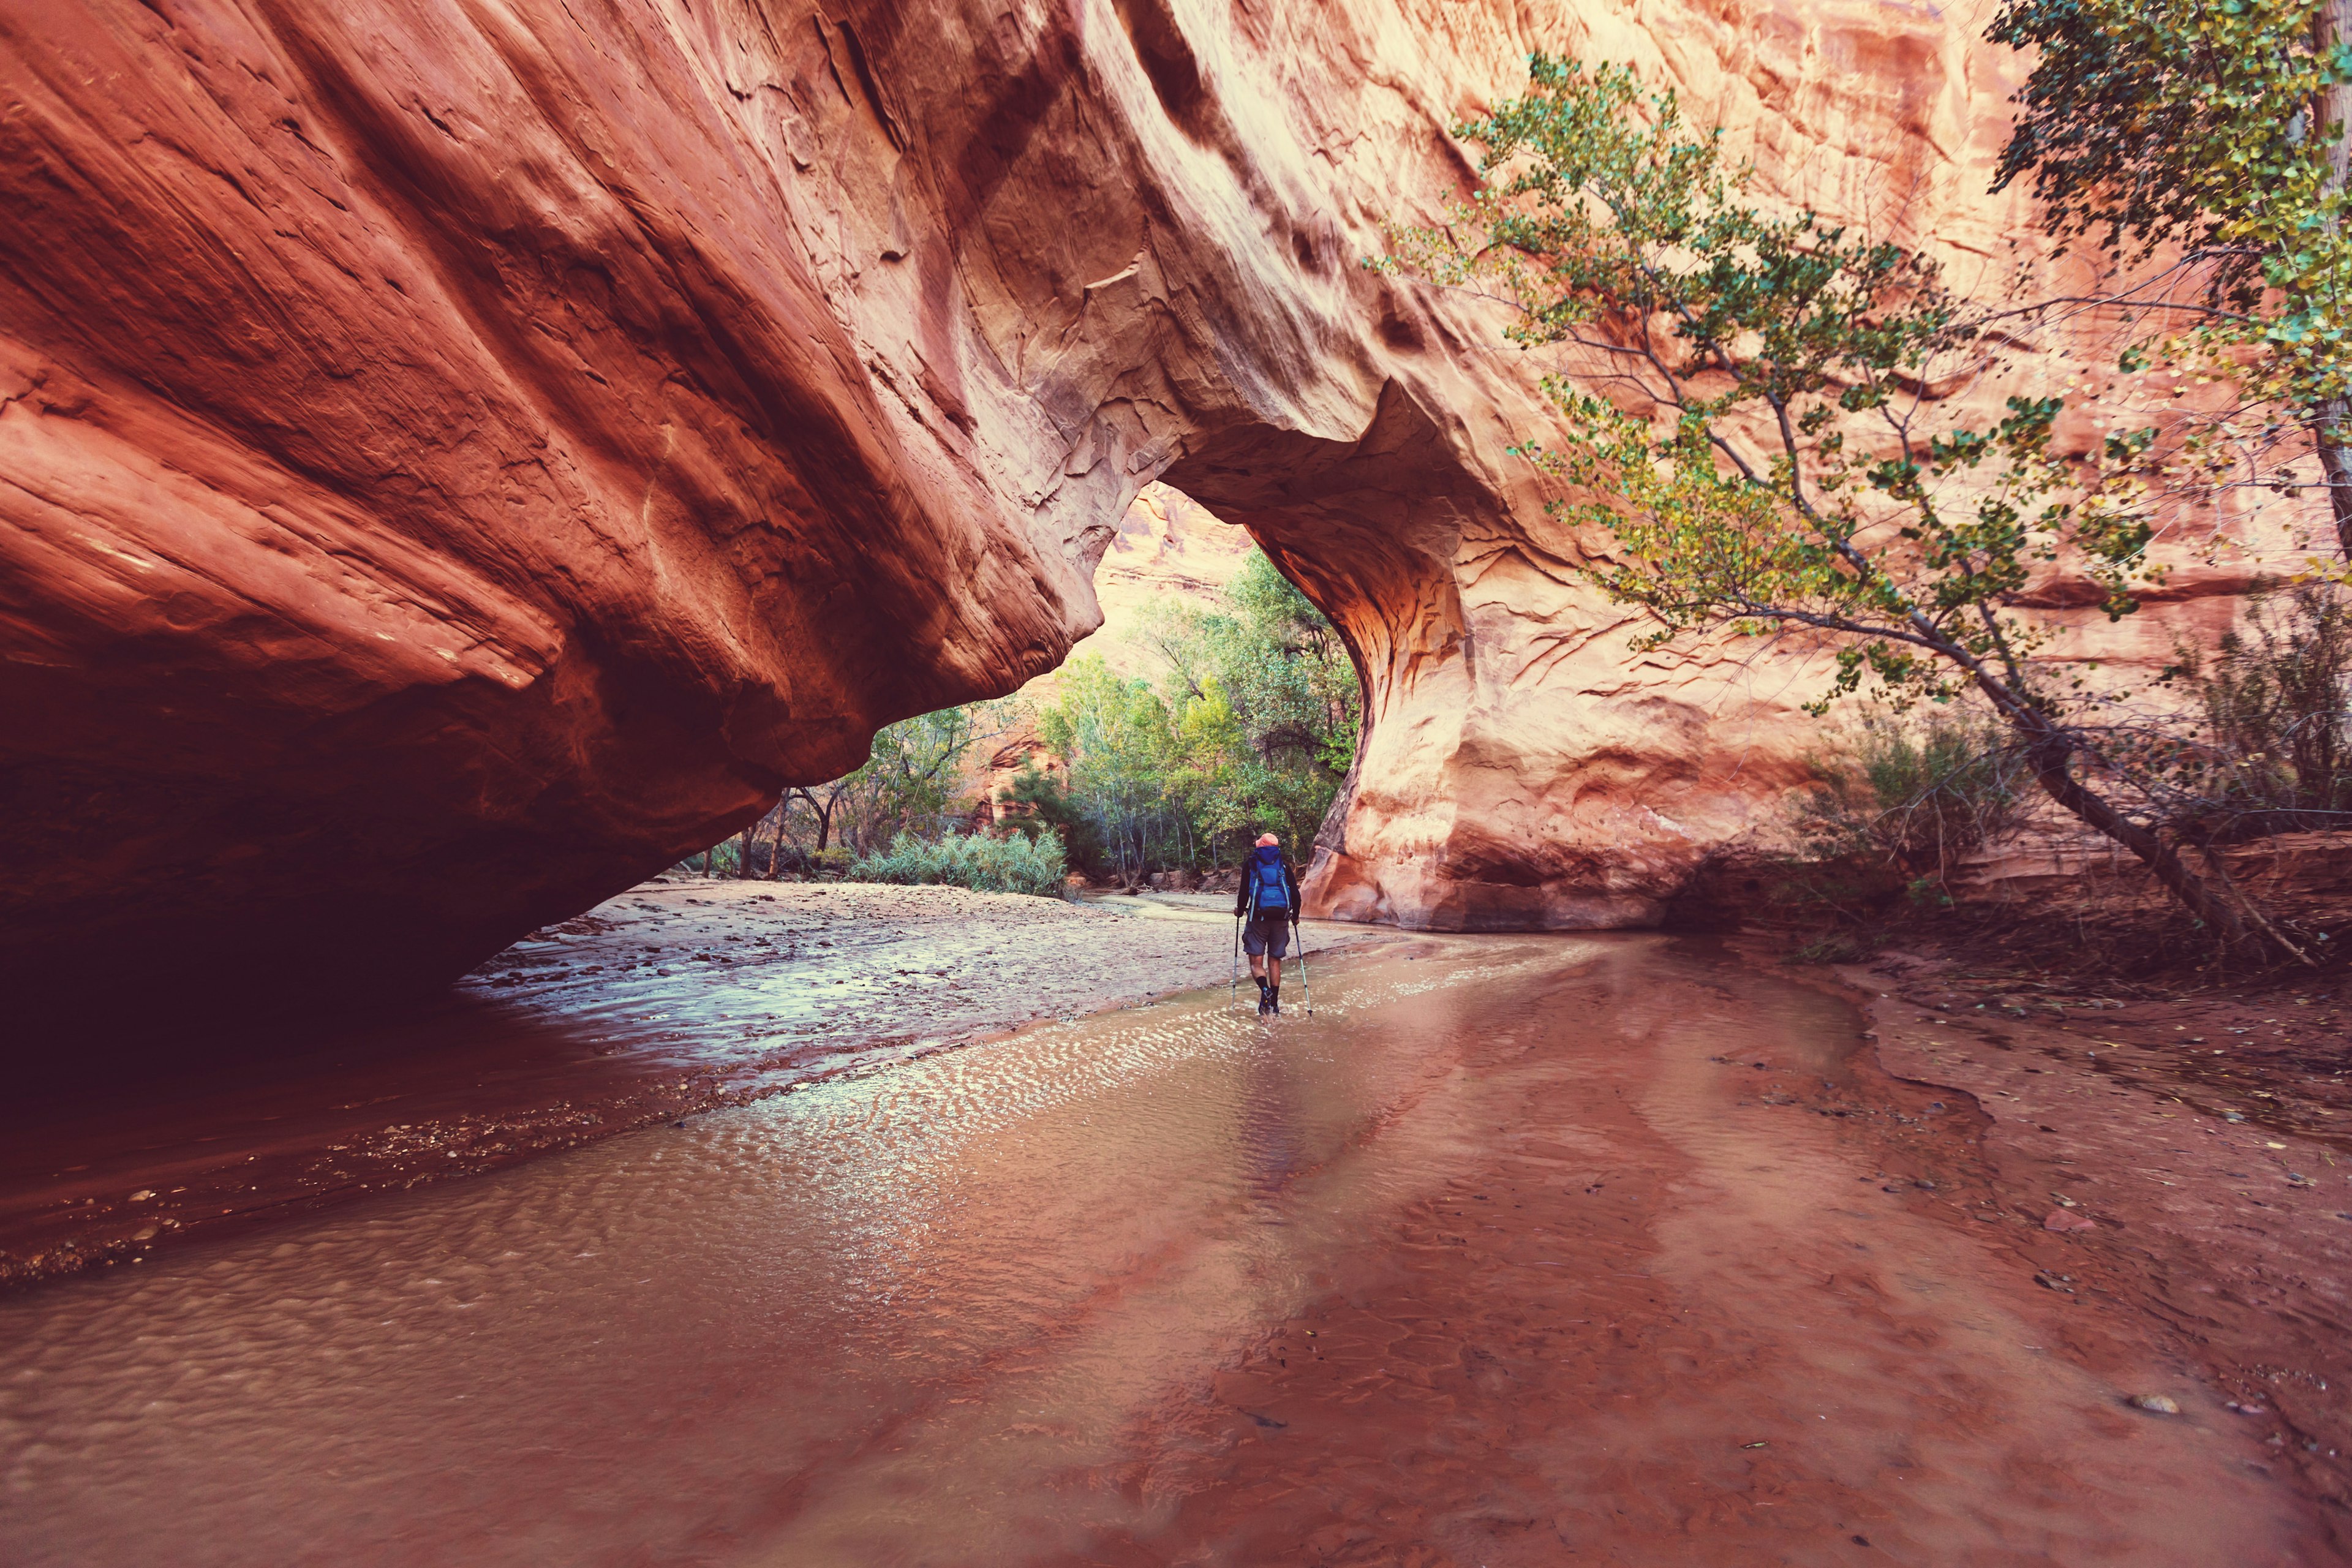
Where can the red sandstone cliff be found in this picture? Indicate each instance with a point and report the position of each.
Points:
(455, 458)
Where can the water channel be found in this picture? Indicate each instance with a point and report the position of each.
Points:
(1500, 1258)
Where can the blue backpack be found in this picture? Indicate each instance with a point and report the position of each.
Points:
(1269, 891)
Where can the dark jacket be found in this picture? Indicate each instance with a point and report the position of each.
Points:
(1289, 880)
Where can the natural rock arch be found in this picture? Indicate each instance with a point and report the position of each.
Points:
(456, 460)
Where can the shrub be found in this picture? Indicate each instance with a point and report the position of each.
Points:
(1837, 947)
(2276, 747)
(1916, 797)
(1016, 864)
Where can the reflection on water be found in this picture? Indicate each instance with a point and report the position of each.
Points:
(858, 1323)
(1038, 1301)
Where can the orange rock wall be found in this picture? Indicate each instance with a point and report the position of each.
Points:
(456, 458)
(1523, 768)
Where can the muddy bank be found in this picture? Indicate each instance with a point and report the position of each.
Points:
(2178, 1168)
(677, 997)
(1779, 1303)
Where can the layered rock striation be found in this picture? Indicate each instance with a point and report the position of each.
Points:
(456, 460)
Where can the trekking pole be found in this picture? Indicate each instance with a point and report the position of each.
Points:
(1305, 981)
(1234, 988)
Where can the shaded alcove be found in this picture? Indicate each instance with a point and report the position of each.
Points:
(573, 428)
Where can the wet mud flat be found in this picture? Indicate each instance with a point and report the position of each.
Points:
(2186, 1161)
(675, 998)
(1521, 1250)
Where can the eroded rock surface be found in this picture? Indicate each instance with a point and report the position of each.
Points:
(456, 460)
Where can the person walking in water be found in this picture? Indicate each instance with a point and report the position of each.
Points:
(1268, 901)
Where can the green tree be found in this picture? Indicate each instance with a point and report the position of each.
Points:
(2212, 138)
(1038, 804)
(1114, 733)
(1251, 726)
(910, 782)
(1760, 443)
(1265, 702)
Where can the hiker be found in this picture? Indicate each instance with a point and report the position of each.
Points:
(1268, 900)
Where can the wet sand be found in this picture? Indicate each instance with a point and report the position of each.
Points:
(1531, 1250)
(2182, 1164)
(677, 997)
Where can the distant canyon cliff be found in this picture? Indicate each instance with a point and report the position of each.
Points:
(456, 458)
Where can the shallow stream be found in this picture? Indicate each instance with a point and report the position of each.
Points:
(1165, 1285)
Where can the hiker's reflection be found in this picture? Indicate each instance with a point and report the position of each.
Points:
(1273, 1140)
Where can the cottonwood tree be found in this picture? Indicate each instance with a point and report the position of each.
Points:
(907, 784)
(1114, 734)
(2203, 148)
(1251, 725)
(1745, 409)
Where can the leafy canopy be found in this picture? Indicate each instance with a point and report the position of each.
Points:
(2212, 132)
(1748, 409)
(1250, 726)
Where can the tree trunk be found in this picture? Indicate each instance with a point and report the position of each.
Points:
(2332, 430)
(743, 852)
(2050, 759)
(2331, 435)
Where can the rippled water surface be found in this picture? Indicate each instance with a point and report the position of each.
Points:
(970, 1308)
(879, 1310)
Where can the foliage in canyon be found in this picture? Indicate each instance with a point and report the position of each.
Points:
(2205, 147)
(1016, 863)
(1747, 410)
(911, 783)
(2269, 742)
(1249, 726)
(1249, 729)
(1916, 794)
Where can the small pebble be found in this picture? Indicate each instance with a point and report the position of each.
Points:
(2157, 1404)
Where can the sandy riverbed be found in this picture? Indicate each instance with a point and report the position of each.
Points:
(1524, 1250)
(2177, 1169)
(678, 996)
(1609, 1271)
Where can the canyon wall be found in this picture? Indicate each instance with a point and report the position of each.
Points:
(456, 457)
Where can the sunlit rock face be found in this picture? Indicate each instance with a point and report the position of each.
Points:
(455, 459)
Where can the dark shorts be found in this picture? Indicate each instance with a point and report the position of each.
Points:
(1267, 936)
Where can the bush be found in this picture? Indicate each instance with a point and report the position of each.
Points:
(1017, 864)
(1913, 797)
(1837, 947)
(1037, 804)
(2276, 751)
